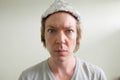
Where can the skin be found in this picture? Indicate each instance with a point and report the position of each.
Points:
(60, 38)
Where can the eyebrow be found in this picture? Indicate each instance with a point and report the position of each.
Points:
(52, 26)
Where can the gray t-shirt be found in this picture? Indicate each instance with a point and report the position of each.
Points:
(83, 71)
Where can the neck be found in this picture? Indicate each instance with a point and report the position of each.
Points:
(64, 66)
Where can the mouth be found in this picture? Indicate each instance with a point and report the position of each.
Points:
(61, 51)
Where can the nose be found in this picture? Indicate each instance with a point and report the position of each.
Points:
(60, 37)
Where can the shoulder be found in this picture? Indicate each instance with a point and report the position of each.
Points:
(88, 66)
(33, 71)
(36, 68)
(91, 70)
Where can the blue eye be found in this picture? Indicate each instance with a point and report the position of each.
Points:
(51, 30)
(69, 30)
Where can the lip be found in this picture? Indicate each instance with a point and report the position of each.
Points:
(61, 51)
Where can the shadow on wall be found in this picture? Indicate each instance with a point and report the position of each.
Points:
(117, 78)
(106, 45)
(110, 46)
(112, 42)
(106, 52)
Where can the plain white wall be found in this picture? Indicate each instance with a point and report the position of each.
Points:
(20, 45)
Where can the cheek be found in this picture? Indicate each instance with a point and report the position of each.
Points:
(74, 37)
(49, 41)
(73, 41)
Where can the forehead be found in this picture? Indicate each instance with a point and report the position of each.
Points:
(61, 18)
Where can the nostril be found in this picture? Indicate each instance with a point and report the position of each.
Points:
(60, 39)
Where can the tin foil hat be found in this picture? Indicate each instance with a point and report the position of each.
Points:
(61, 5)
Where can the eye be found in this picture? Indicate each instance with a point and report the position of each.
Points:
(69, 31)
(51, 30)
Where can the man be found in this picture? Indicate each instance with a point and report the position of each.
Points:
(60, 34)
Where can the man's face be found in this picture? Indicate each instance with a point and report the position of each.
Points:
(60, 34)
